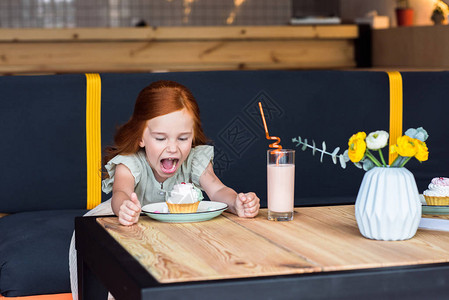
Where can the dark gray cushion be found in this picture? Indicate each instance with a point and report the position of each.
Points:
(43, 127)
(34, 252)
(320, 105)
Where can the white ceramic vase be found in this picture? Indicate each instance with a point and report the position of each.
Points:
(387, 205)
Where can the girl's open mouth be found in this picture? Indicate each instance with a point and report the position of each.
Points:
(168, 165)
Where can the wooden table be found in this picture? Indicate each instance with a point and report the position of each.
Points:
(320, 254)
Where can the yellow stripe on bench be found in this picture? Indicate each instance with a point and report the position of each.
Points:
(395, 80)
(93, 139)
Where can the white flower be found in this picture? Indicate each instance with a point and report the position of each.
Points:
(377, 140)
(419, 134)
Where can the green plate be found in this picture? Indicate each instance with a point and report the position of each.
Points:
(433, 209)
(206, 210)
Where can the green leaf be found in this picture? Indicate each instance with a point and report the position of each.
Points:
(305, 145)
(334, 155)
(322, 152)
(342, 161)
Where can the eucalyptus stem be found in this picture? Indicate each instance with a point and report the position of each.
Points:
(382, 158)
(374, 159)
(397, 161)
(406, 161)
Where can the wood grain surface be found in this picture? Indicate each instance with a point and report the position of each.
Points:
(329, 236)
(176, 48)
(214, 249)
(318, 239)
(178, 33)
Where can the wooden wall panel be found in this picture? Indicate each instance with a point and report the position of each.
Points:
(176, 49)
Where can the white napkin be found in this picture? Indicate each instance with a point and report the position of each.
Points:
(434, 224)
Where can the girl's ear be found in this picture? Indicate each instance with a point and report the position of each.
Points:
(141, 143)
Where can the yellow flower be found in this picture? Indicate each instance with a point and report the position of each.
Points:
(423, 153)
(393, 149)
(357, 136)
(406, 146)
(357, 146)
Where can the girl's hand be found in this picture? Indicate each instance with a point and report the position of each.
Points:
(247, 205)
(129, 211)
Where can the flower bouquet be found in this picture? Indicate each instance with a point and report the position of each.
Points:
(361, 147)
(387, 205)
(410, 145)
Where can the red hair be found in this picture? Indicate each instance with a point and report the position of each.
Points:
(158, 99)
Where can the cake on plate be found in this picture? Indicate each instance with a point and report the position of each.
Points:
(437, 192)
(184, 198)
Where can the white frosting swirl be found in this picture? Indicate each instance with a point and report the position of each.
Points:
(442, 181)
(439, 187)
(184, 193)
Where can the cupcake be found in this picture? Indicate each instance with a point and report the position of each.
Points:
(184, 198)
(438, 192)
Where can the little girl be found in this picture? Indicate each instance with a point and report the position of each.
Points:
(163, 144)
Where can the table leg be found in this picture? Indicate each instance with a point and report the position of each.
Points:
(89, 287)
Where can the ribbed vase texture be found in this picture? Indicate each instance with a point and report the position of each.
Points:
(387, 205)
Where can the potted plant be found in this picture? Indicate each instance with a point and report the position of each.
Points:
(404, 13)
(388, 205)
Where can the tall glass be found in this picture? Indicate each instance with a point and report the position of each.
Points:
(281, 184)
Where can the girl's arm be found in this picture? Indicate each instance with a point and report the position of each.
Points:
(124, 201)
(243, 205)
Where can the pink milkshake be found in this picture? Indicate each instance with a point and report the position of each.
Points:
(281, 184)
